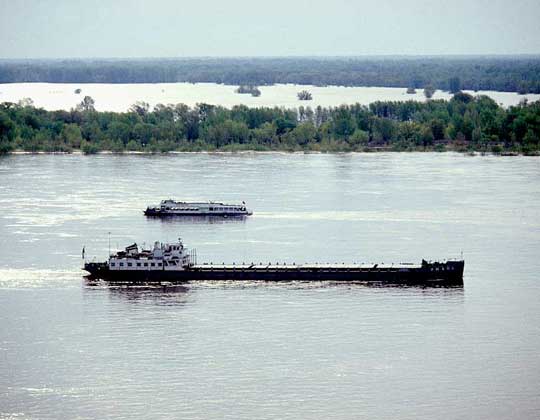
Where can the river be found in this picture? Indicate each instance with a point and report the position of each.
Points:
(265, 351)
(119, 97)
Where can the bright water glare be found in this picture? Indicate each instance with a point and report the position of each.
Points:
(119, 97)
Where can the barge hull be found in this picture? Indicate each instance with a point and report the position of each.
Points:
(449, 273)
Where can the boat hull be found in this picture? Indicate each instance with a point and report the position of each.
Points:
(449, 273)
(170, 213)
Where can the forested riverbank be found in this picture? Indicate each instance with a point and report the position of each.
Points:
(452, 73)
(465, 123)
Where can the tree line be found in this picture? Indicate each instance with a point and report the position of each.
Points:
(500, 73)
(462, 123)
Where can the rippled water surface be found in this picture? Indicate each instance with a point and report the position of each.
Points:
(294, 351)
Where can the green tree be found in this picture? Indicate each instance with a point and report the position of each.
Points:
(248, 89)
(429, 90)
(7, 133)
(384, 129)
(71, 135)
(303, 133)
(304, 95)
(343, 122)
(140, 108)
(402, 125)
(437, 129)
(461, 97)
(476, 135)
(359, 137)
(265, 134)
(89, 148)
(530, 138)
(143, 133)
(26, 102)
(227, 132)
(454, 84)
(285, 124)
(91, 131)
(426, 136)
(133, 146)
(119, 131)
(87, 104)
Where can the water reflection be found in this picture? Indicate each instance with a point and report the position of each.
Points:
(434, 289)
(161, 295)
(185, 287)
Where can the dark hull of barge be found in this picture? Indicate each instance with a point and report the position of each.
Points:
(429, 274)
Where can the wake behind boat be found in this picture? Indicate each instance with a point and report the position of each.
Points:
(208, 208)
(175, 263)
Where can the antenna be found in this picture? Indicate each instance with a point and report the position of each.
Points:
(109, 233)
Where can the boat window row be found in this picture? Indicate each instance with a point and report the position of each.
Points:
(227, 209)
(182, 208)
(157, 264)
(209, 209)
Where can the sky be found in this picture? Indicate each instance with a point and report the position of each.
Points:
(180, 28)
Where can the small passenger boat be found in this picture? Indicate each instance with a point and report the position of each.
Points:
(208, 208)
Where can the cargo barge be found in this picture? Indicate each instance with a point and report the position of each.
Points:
(176, 264)
(190, 209)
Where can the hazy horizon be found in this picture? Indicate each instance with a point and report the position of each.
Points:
(263, 57)
(125, 29)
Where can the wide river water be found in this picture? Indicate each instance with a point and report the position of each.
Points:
(119, 97)
(272, 351)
